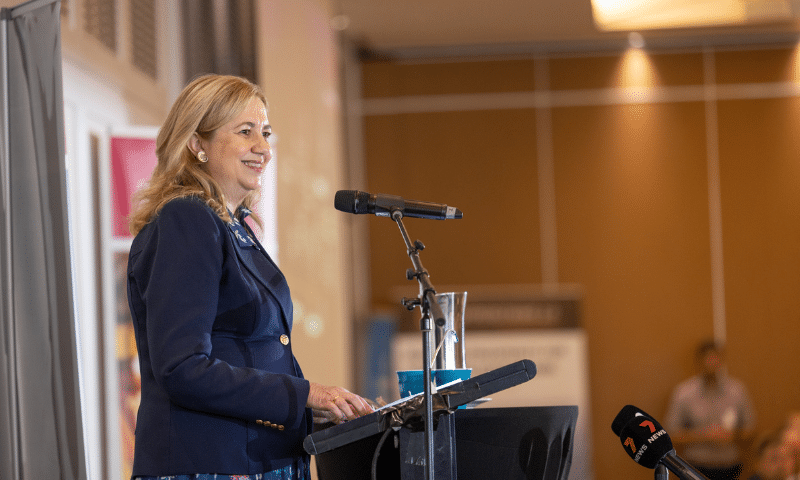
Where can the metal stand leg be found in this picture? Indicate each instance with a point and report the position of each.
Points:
(413, 451)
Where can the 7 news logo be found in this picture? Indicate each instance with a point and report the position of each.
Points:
(654, 435)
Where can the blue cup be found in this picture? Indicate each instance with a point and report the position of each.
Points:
(447, 376)
(410, 381)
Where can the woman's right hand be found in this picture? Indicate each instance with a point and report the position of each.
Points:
(335, 404)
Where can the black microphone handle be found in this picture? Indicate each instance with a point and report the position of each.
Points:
(661, 472)
(354, 201)
(681, 468)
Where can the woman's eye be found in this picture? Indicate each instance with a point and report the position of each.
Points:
(245, 131)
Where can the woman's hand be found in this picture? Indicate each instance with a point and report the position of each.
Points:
(335, 404)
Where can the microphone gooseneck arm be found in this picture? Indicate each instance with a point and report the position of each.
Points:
(427, 292)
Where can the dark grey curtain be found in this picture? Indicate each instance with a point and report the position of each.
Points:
(40, 428)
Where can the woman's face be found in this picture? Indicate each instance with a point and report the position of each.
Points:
(238, 152)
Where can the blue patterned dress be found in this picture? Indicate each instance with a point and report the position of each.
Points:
(298, 471)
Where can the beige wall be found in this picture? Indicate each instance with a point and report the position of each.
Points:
(664, 185)
(300, 76)
(147, 100)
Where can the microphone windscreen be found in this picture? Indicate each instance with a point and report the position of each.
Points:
(351, 201)
(624, 416)
(645, 441)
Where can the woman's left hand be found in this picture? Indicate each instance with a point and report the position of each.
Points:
(335, 404)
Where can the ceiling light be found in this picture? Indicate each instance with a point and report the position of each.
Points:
(635, 40)
(621, 15)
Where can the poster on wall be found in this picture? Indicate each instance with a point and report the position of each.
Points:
(133, 158)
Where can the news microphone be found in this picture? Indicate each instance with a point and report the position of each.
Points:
(623, 417)
(648, 444)
(354, 201)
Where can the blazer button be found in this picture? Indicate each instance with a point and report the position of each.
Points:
(285, 339)
(259, 422)
(281, 427)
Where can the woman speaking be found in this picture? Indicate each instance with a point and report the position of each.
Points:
(222, 394)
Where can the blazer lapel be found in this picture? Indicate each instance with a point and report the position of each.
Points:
(270, 276)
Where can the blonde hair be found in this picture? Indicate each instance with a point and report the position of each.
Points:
(206, 104)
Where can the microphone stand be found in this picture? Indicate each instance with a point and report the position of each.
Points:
(681, 468)
(661, 472)
(430, 309)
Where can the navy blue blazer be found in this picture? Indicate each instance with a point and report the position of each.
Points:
(221, 389)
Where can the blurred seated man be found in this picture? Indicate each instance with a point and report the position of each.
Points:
(791, 442)
(712, 417)
(774, 459)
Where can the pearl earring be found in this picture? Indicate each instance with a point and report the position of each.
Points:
(201, 155)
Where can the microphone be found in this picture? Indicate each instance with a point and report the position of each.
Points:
(623, 417)
(354, 201)
(648, 444)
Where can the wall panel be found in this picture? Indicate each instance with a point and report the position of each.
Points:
(760, 175)
(756, 65)
(631, 196)
(483, 163)
(382, 79)
(608, 71)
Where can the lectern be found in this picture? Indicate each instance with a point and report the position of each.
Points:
(530, 443)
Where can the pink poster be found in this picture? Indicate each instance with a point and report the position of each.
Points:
(132, 161)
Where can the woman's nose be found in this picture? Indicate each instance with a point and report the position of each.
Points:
(262, 147)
